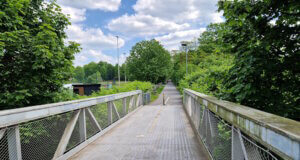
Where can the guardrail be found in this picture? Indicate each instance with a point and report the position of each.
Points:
(146, 98)
(232, 131)
(59, 130)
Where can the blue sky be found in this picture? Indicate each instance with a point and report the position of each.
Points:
(95, 23)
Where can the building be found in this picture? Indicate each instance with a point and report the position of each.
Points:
(86, 89)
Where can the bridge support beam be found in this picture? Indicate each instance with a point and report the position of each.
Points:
(93, 120)
(66, 136)
(115, 110)
(138, 101)
(82, 125)
(124, 106)
(238, 150)
(109, 113)
(14, 144)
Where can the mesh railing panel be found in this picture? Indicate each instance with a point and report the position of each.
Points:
(39, 139)
(119, 105)
(3, 145)
(90, 128)
(217, 136)
(75, 138)
(256, 152)
(100, 113)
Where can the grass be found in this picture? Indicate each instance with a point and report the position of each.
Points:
(154, 96)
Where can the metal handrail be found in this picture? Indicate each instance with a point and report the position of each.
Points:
(60, 130)
(277, 134)
(16, 116)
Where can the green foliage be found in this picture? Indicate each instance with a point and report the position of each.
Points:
(94, 78)
(79, 74)
(149, 61)
(96, 72)
(208, 66)
(34, 59)
(209, 75)
(155, 95)
(266, 71)
(224, 141)
(212, 40)
(90, 69)
(126, 87)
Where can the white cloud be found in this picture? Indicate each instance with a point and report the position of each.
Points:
(92, 38)
(172, 40)
(158, 17)
(143, 25)
(76, 15)
(106, 5)
(178, 10)
(92, 41)
(217, 17)
(87, 56)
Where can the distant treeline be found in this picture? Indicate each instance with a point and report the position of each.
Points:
(97, 72)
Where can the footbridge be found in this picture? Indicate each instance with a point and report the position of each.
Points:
(122, 126)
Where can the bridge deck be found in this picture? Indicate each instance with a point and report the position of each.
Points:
(153, 132)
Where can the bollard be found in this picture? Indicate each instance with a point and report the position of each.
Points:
(163, 98)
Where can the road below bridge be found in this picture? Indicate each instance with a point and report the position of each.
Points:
(153, 132)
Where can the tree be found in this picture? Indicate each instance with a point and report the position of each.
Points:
(149, 61)
(90, 69)
(94, 78)
(110, 72)
(103, 69)
(212, 40)
(264, 35)
(79, 75)
(34, 59)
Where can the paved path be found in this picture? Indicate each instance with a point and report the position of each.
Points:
(153, 132)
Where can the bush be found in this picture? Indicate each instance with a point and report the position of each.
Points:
(209, 75)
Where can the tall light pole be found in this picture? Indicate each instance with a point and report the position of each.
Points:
(125, 67)
(118, 59)
(184, 45)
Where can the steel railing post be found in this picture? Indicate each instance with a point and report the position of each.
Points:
(82, 125)
(109, 113)
(124, 106)
(238, 150)
(14, 144)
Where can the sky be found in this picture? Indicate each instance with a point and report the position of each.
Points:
(96, 23)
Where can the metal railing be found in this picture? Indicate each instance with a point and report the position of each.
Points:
(59, 130)
(146, 98)
(234, 132)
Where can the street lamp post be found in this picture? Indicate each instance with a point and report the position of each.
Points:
(125, 66)
(184, 45)
(118, 59)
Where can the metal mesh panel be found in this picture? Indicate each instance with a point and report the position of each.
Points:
(39, 139)
(255, 152)
(90, 128)
(3, 145)
(118, 105)
(237, 148)
(127, 104)
(75, 138)
(130, 109)
(218, 138)
(100, 113)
